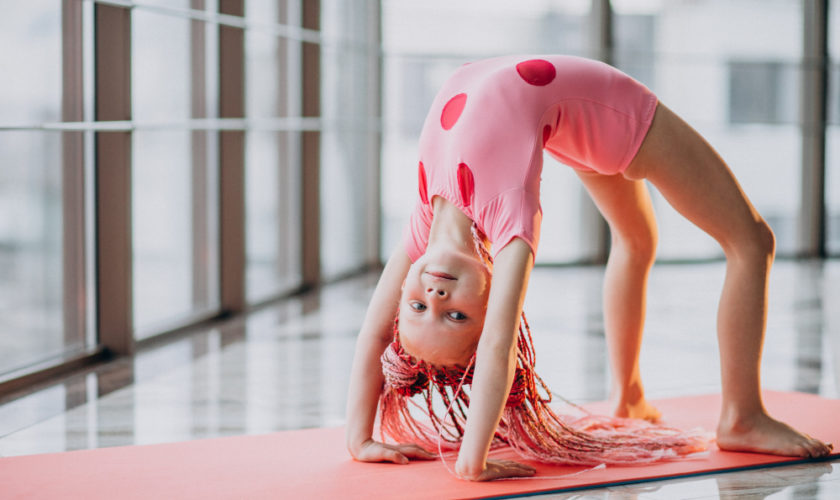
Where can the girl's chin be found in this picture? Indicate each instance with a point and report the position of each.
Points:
(445, 260)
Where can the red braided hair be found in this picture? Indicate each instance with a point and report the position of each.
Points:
(528, 424)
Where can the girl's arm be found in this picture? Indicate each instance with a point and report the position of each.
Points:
(366, 376)
(495, 365)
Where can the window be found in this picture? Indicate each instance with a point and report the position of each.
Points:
(120, 120)
(272, 154)
(761, 92)
(349, 181)
(721, 67)
(44, 301)
(174, 169)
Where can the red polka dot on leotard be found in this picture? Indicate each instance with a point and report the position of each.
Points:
(546, 134)
(421, 182)
(452, 111)
(537, 72)
(466, 184)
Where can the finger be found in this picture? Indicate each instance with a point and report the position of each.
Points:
(501, 469)
(395, 456)
(516, 465)
(528, 468)
(414, 451)
(503, 463)
(528, 471)
(504, 472)
(525, 470)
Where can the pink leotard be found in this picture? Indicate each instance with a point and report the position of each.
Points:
(482, 141)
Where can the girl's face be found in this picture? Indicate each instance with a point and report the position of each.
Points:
(444, 299)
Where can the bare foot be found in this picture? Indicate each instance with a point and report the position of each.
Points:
(639, 409)
(761, 433)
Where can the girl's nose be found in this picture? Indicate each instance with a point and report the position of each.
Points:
(436, 291)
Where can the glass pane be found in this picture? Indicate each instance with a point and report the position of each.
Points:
(345, 190)
(173, 222)
(272, 214)
(272, 181)
(346, 160)
(174, 173)
(265, 11)
(266, 80)
(160, 72)
(832, 162)
(734, 76)
(174, 4)
(565, 236)
(424, 42)
(30, 58)
(161, 227)
(31, 262)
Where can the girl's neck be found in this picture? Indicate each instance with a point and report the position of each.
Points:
(450, 226)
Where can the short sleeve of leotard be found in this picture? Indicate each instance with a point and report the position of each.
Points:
(416, 234)
(515, 213)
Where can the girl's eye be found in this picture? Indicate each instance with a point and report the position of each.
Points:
(457, 316)
(417, 306)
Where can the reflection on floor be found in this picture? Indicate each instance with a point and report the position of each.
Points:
(286, 367)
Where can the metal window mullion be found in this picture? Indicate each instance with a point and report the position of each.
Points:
(595, 229)
(113, 179)
(198, 186)
(232, 261)
(283, 143)
(813, 109)
(310, 150)
(374, 132)
(74, 268)
(294, 156)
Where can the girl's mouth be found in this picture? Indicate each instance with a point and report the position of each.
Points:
(441, 275)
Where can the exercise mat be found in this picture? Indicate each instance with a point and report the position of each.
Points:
(314, 463)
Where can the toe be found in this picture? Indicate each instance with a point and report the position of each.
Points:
(801, 450)
(826, 449)
(813, 448)
(816, 448)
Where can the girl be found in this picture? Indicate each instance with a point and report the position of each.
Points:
(479, 179)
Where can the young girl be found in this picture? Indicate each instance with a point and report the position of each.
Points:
(479, 182)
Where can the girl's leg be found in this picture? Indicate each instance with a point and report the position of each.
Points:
(627, 207)
(696, 181)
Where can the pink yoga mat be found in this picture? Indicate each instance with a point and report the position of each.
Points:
(314, 464)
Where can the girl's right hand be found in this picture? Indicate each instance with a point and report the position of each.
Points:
(500, 469)
(374, 451)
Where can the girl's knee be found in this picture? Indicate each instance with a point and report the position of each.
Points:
(765, 239)
(639, 246)
(758, 244)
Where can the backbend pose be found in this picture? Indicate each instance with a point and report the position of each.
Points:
(479, 184)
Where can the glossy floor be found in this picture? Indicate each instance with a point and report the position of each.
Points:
(286, 366)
